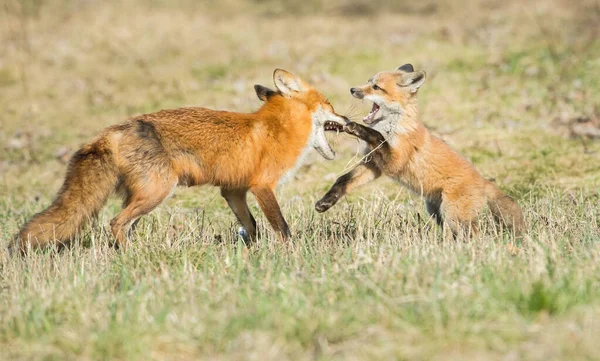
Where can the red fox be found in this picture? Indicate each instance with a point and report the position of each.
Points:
(400, 147)
(146, 157)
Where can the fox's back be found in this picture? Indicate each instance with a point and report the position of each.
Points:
(434, 167)
(212, 146)
(192, 129)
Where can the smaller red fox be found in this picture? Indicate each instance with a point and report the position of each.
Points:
(400, 147)
(146, 157)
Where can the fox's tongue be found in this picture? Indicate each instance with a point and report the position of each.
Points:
(371, 116)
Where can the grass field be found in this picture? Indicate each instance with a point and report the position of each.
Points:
(370, 279)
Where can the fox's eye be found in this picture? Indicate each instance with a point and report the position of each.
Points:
(376, 87)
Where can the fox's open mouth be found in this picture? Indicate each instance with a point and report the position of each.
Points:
(371, 116)
(333, 126)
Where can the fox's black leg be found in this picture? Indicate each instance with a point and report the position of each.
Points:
(433, 208)
(268, 203)
(236, 199)
(368, 170)
(379, 148)
(360, 175)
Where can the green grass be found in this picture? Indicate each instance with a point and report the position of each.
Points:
(347, 287)
(370, 279)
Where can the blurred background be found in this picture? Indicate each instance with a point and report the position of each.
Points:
(513, 85)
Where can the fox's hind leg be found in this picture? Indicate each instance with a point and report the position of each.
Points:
(433, 208)
(142, 198)
(147, 175)
(236, 199)
(459, 216)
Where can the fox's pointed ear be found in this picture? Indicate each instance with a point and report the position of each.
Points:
(263, 93)
(412, 80)
(287, 83)
(407, 68)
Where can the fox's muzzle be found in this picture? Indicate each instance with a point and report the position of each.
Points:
(357, 93)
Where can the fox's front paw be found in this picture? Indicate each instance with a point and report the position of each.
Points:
(352, 128)
(322, 206)
(325, 203)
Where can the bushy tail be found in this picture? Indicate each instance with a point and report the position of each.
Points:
(505, 210)
(91, 177)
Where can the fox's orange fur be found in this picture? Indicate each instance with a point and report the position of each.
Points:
(145, 157)
(401, 147)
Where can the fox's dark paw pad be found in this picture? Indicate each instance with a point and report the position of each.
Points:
(323, 205)
(352, 128)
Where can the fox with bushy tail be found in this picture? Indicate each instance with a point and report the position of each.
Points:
(91, 177)
(146, 157)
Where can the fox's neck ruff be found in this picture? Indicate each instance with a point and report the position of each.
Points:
(398, 120)
(295, 124)
(304, 152)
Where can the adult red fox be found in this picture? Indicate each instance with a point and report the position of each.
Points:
(402, 148)
(146, 157)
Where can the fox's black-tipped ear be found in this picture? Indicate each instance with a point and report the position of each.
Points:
(407, 68)
(412, 80)
(263, 93)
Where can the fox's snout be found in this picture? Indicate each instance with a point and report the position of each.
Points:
(357, 93)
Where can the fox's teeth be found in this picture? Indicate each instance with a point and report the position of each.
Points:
(329, 125)
(369, 117)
